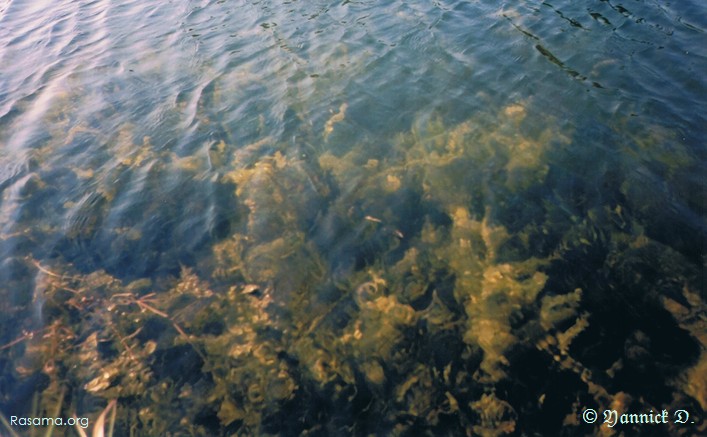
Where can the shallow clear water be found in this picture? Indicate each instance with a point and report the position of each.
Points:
(136, 137)
(84, 82)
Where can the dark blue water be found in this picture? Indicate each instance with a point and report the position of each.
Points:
(312, 147)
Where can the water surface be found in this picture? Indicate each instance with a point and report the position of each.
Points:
(374, 180)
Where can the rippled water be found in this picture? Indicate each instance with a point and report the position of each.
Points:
(84, 82)
(122, 124)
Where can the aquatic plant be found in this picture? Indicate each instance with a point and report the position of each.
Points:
(404, 290)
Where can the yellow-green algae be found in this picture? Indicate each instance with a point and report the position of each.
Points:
(421, 324)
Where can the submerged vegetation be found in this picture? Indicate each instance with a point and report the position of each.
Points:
(472, 279)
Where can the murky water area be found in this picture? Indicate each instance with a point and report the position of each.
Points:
(353, 218)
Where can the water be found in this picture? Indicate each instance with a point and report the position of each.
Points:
(426, 149)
